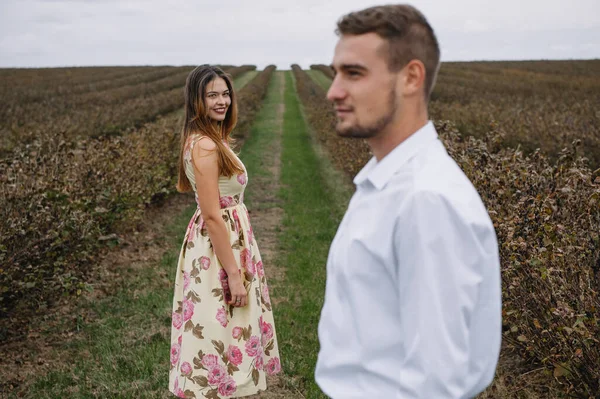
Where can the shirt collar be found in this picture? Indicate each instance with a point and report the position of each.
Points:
(380, 173)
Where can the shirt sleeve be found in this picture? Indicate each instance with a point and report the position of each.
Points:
(439, 275)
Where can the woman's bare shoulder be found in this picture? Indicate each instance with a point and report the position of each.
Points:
(203, 144)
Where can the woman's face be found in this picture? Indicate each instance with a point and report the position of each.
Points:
(217, 99)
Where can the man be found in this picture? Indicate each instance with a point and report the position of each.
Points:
(413, 298)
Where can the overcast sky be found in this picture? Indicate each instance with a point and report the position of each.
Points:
(35, 33)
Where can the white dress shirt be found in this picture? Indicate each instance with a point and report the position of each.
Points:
(413, 298)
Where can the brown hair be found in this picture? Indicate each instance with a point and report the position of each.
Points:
(197, 121)
(408, 34)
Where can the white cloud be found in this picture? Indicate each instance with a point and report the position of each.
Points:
(123, 32)
(472, 25)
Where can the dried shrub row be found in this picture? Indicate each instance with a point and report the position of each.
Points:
(62, 110)
(547, 217)
(250, 101)
(327, 71)
(54, 80)
(537, 105)
(109, 112)
(51, 88)
(349, 155)
(50, 82)
(61, 200)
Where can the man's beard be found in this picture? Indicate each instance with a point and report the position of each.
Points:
(366, 132)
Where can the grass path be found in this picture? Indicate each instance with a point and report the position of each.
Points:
(320, 78)
(261, 154)
(311, 217)
(241, 81)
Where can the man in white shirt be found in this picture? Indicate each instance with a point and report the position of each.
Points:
(413, 298)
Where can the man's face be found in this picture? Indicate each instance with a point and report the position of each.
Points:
(364, 90)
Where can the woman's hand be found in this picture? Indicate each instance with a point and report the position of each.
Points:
(239, 296)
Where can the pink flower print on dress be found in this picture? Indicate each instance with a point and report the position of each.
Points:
(225, 285)
(205, 262)
(186, 368)
(216, 374)
(236, 332)
(266, 329)
(246, 260)
(250, 235)
(226, 202)
(252, 346)
(259, 364)
(260, 269)
(186, 280)
(190, 229)
(265, 294)
(178, 391)
(251, 267)
(175, 351)
(222, 317)
(236, 220)
(234, 354)
(242, 179)
(222, 275)
(210, 361)
(227, 387)
(188, 309)
(179, 339)
(274, 366)
(177, 320)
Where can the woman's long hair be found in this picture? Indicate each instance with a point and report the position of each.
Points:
(197, 121)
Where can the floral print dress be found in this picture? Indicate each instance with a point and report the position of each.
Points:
(217, 350)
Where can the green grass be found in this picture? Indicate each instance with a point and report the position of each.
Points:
(319, 78)
(124, 352)
(310, 221)
(260, 142)
(243, 79)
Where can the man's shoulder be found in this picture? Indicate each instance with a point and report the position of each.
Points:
(436, 178)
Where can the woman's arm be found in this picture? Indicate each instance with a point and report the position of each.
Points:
(206, 172)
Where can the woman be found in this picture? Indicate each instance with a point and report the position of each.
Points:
(223, 340)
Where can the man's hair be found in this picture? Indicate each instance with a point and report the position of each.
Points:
(407, 33)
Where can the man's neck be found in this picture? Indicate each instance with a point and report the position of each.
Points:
(395, 133)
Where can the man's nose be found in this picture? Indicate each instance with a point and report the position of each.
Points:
(336, 91)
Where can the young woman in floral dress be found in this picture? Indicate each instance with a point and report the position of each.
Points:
(223, 340)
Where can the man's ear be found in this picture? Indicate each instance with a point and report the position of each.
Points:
(413, 75)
